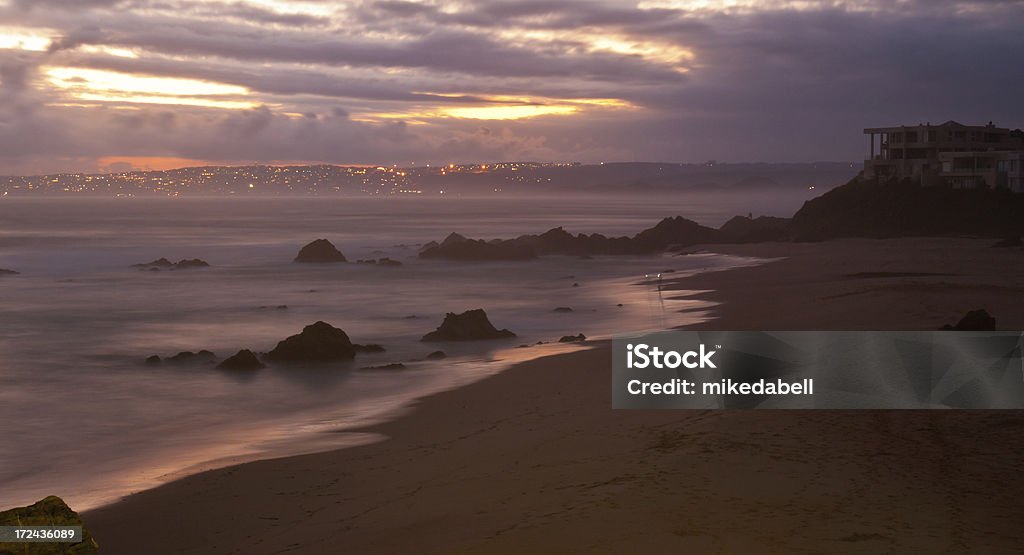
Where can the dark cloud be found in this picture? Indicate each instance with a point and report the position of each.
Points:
(772, 83)
(66, 4)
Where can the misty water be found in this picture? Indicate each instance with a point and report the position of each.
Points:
(85, 417)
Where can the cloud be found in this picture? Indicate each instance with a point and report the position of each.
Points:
(372, 81)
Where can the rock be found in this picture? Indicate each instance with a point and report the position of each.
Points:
(188, 357)
(368, 348)
(242, 360)
(572, 338)
(192, 263)
(673, 231)
(320, 251)
(563, 309)
(51, 511)
(158, 263)
(7, 272)
(1009, 242)
(742, 229)
(392, 366)
(901, 208)
(668, 232)
(576, 285)
(437, 355)
(153, 360)
(975, 320)
(468, 326)
(319, 342)
(457, 247)
(619, 305)
(183, 264)
(380, 262)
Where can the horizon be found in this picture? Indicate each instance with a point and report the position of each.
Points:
(110, 86)
(564, 163)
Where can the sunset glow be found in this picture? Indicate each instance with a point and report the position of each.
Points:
(443, 80)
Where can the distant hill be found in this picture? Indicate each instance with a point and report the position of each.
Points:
(471, 179)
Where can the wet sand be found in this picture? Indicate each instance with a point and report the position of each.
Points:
(534, 459)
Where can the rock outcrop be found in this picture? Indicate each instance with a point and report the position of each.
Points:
(4, 272)
(164, 264)
(457, 247)
(471, 325)
(572, 338)
(191, 263)
(1009, 242)
(437, 355)
(320, 251)
(158, 263)
(51, 511)
(242, 360)
(188, 357)
(864, 208)
(742, 229)
(668, 232)
(379, 262)
(975, 320)
(319, 342)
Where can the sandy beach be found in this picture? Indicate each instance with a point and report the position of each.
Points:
(534, 459)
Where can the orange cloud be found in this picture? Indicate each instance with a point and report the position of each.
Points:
(130, 163)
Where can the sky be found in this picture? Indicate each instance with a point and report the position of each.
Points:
(109, 85)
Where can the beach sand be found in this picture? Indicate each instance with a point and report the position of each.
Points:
(535, 460)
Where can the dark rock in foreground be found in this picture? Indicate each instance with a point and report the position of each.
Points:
(437, 355)
(975, 320)
(7, 272)
(469, 326)
(242, 360)
(1009, 242)
(572, 338)
(320, 250)
(319, 342)
(51, 511)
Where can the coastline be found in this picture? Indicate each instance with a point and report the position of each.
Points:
(547, 464)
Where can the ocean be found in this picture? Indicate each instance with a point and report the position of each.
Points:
(86, 418)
